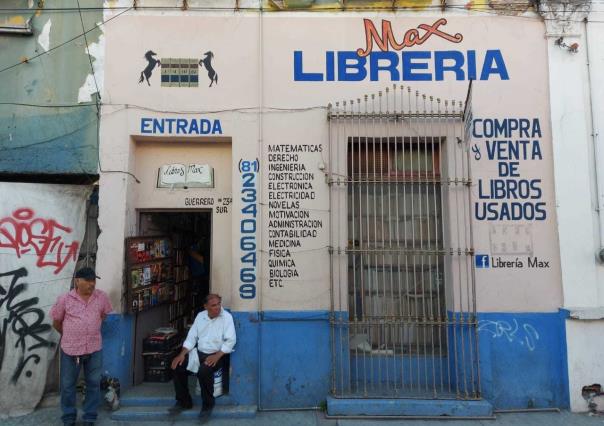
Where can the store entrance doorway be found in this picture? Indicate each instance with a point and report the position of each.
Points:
(189, 234)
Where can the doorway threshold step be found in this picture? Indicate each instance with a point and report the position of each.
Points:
(134, 400)
(133, 414)
(384, 407)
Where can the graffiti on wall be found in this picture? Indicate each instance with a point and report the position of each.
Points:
(26, 234)
(523, 334)
(24, 318)
(41, 230)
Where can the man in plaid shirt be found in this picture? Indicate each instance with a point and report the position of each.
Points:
(78, 316)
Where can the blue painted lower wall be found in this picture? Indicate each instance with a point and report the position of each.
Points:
(295, 363)
(117, 332)
(523, 361)
(283, 358)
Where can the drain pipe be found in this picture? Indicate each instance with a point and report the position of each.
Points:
(598, 150)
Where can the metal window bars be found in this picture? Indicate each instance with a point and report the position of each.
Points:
(402, 276)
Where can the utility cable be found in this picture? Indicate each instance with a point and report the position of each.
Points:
(360, 9)
(64, 43)
(98, 96)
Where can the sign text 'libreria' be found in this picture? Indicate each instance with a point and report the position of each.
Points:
(408, 65)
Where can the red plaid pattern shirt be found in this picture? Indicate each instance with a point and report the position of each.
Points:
(81, 321)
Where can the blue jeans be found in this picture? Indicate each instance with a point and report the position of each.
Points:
(70, 370)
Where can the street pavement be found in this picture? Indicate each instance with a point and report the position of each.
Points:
(51, 416)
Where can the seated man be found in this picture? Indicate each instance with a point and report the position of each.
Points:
(210, 338)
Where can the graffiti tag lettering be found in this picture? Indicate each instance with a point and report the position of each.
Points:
(525, 335)
(24, 233)
(24, 319)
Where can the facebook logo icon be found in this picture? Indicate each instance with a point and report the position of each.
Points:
(482, 260)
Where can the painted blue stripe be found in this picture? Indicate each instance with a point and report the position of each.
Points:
(523, 359)
(408, 407)
(295, 315)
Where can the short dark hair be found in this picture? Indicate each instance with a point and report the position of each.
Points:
(210, 297)
(86, 273)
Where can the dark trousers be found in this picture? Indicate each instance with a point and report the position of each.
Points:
(205, 375)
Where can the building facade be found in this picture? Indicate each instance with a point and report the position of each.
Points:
(377, 225)
(397, 201)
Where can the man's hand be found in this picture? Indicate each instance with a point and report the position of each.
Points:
(58, 325)
(179, 359)
(213, 359)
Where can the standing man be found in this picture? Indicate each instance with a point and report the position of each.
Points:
(78, 316)
(210, 338)
(199, 274)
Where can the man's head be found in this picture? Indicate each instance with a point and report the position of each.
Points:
(213, 304)
(85, 281)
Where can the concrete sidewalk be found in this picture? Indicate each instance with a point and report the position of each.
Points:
(50, 417)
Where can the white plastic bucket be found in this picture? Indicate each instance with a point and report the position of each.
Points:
(218, 382)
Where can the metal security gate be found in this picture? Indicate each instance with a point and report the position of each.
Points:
(403, 295)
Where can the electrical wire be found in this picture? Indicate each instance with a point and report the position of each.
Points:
(52, 139)
(78, 105)
(64, 43)
(98, 97)
(520, 7)
(125, 9)
(523, 4)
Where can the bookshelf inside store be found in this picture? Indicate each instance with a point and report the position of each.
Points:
(180, 308)
(158, 275)
(149, 264)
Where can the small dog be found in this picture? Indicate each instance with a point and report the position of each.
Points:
(111, 386)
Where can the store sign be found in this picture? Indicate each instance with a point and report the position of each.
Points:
(409, 65)
(180, 126)
(183, 176)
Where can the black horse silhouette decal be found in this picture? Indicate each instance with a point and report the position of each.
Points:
(207, 62)
(146, 73)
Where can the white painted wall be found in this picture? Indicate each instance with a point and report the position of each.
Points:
(575, 182)
(260, 104)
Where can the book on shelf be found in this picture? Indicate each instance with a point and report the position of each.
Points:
(146, 275)
(146, 249)
(136, 277)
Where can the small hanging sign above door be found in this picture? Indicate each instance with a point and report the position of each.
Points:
(185, 176)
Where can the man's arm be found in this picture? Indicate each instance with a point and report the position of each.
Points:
(179, 359)
(107, 308)
(57, 313)
(198, 257)
(230, 337)
(189, 343)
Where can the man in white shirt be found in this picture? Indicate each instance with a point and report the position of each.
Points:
(210, 338)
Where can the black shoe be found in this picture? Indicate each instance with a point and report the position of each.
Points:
(88, 423)
(178, 408)
(204, 416)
